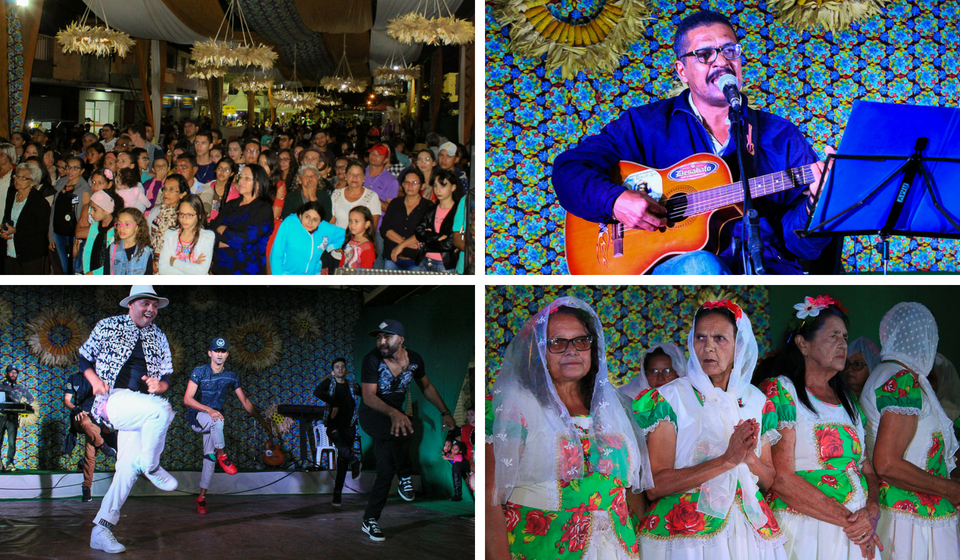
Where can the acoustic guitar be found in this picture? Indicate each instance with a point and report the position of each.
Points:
(272, 455)
(700, 200)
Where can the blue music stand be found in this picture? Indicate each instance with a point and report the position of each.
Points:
(894, 189)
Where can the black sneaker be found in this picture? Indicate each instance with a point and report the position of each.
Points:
(86, 495)
(405, 488)
(355, 470)
(371, 528)
(107, 450)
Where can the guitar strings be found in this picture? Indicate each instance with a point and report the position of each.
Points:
(704, 201)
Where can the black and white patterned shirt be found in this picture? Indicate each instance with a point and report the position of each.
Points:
(391, 389)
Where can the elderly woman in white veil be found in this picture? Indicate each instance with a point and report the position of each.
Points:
(911, 441)
(562, 455)
(709, 436)
(863, 356)
(660, 365)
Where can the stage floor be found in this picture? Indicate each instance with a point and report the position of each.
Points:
(238, 527)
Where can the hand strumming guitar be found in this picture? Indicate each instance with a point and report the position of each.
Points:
(635, 209)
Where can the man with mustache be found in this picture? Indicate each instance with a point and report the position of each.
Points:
(128, 364)
(10, 422)
(660, 134)
(384, 376)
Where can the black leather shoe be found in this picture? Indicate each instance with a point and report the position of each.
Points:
(86, 495)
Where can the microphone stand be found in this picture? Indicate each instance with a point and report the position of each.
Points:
(751, 250)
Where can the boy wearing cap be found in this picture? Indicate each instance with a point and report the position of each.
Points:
(206, 395)
(385, 375)
(127, 362)
(449, 158)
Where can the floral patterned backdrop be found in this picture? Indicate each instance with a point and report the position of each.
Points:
(193, 318)
(634, 318)
(909, 55)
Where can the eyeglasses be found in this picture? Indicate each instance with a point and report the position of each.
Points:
(405, 183)
(559, 345)
(341, 167)
(284, 159)
(253, 151)
(15, 177)
(664, 371)
(223, 170)
(74, 167)
(424, 160)
(857, 366)
(706, 55)
(185, 215)
(123, 224)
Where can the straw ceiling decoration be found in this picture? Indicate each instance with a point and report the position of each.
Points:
(228, 50)
(83, 38)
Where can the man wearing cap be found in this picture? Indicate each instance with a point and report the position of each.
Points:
(378, 179)
(127, 362)
(206, 395)
(10, 422)
(78, 397)
(385, 374)
(449, 158)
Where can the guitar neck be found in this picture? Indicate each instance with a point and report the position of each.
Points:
(718, 197)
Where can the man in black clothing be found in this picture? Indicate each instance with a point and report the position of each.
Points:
(385, 375)
(9, 423)
(341, 395)
(78, 397)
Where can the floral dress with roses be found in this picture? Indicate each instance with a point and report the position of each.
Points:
(829, 454)
(592, 520)
(674, 521)
(912, 524)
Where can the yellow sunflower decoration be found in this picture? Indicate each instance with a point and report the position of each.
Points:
(574, 36)
(255, 343)
(833, 15)
(279, 423)
(56, 334)
(306, 326)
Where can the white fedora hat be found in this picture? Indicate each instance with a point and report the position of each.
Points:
(140, 292)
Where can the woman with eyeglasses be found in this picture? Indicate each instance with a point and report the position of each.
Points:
(188, 248)
(660, 365)
(708, 436)
(862, 356)
(427, 164)
(563, 461)
(399, 224)
(73, 193)
(24, 226)
(163, 216)
(244, 225)
(154, 185)
(825, 492)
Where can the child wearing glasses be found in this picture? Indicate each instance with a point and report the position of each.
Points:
(188, 248)
(131, 251)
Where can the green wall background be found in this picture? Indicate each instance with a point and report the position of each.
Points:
(439, 326)
(868, 304)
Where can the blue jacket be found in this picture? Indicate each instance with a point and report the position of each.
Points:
(661, 134)
(297, 251)
(119, 264)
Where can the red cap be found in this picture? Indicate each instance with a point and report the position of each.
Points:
(383, 150)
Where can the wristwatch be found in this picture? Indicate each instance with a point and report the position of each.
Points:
(447, 413)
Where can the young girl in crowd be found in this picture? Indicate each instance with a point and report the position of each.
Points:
(460, 468)
(163, 216)
(435, 231)
(102, 207)
(188, 249)
(131, 251)
(152, 188)
(358, 249)
(224, 189)
(130, 189)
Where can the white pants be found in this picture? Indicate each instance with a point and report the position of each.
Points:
(212, 431)
(141, 421)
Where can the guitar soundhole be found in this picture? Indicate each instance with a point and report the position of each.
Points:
(676, 208)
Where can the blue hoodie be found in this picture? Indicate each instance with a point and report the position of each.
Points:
(297, 251)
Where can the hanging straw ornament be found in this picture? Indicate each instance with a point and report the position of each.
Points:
(80, 37)
(251, 83)
(397, 68)
(416, 27)
(343, 82)
(226, 51)
(293, 96)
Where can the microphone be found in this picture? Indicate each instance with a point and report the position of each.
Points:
(728, 85)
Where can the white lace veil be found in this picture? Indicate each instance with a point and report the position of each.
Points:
(640, 383)
(721, 412)
(948, 386)
(909, 335)
(535, 439)
(869, 350)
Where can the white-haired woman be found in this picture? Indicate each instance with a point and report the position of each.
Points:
(25, 219)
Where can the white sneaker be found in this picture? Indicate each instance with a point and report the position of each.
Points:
(103, 539)
(159, 477)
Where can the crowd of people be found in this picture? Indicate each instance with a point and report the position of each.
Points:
(289, 199)
(824, 449)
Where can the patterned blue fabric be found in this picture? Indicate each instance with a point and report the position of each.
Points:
(391, 389)
(212, 389)
(248, 231)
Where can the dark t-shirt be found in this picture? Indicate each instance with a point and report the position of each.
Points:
(131, 373)
(391, 390)
(206, 173)
(342, 400)
(78, 386)
(212, 389)
(397, 219)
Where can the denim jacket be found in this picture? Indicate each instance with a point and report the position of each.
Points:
(120, 264)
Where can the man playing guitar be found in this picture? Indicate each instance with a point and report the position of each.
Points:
(661, 134)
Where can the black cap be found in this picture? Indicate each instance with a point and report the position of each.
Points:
(388, 326)
(12, 367)
(219, 343)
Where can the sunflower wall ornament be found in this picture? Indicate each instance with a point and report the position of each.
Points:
(306, 326)
(256, 343)
(55, 335)
(176, 353)
(108, 297)
(98, 40)
(833, 15)
(6, 313)
(202, 298)
(575, 37)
